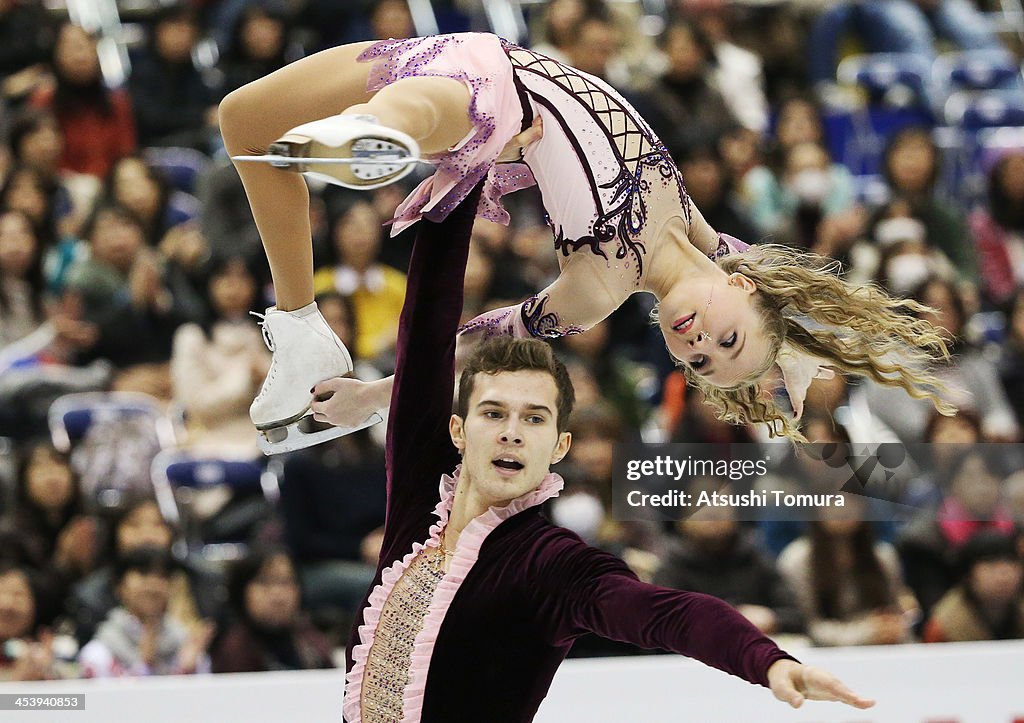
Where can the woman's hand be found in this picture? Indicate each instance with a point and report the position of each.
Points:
(794, 682)
(347, 401)
(36, 662)
(195, 646)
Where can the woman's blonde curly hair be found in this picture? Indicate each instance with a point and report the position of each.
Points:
(863, 331)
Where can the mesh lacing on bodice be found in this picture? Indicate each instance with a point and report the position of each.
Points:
(640, 166)
(634, 143)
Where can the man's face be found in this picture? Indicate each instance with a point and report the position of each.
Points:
(509, 438)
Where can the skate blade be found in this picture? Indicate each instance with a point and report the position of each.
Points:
(306, 432)
(279, 161)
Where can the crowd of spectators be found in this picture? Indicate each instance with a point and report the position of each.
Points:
(129, 261)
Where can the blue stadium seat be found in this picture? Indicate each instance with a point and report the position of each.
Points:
(880, 73)
(979, 124)
(71, 415)
(991, 109)
(975, 70)
(180, 475)
(180, 166)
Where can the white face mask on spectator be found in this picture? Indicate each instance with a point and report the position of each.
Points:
(907, 271)
(811, 186)
(582, 513)
(894, 230)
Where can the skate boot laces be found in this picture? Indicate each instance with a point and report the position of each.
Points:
(268, 339)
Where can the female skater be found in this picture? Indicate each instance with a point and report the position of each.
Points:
(620, 214)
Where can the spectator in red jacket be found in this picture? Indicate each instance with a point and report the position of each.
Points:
(97, 122)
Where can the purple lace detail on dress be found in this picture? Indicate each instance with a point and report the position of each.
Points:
(458, 171)
(546, 325)
(504, 178)
(637, 150)
(387, 70)
(727, 245)
(722, 250)
(489, 324)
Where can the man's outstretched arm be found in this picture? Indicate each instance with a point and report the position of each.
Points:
(593, 591)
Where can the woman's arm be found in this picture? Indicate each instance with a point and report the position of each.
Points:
(585, 293)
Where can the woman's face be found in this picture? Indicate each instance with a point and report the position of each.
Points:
(49, 482)
(713, 327)
(262, 37)
(798, 123)
(26, 194)
(997, 582)
(976, 488)
(135, 187)
(593, 453)
(42, 147)
(705, 180)
(116, 241)
(562, 18)
(174, 39)
(272, 597)
(76, 56)
(843, 521)
(17, 606)
(336, 314)
(357, 236)
(940, 297)
(143, 527)
(912, 164)
(18, 245)
(145, 594)
(233, 290)
(685, 56)
(953, 430)
(392, 19)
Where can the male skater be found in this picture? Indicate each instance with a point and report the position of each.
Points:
(478, 598)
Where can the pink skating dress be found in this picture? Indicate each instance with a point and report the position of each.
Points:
(608, 184)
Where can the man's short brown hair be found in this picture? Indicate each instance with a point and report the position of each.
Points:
(507, 354)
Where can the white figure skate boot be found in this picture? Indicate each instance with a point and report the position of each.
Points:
(306, 352)
(354, 151)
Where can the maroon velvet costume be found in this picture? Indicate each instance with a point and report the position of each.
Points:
(535, 587)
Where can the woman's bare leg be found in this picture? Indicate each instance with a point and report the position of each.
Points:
(434, 111)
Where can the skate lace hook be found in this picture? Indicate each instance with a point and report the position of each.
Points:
(267, 338)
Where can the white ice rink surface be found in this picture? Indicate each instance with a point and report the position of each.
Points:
(965, 683)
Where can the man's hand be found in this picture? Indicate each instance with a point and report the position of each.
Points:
(346, 401)
(793, 683)
(514, 149)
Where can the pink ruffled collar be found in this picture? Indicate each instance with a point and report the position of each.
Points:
(462, 561)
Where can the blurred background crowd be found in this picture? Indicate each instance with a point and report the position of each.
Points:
(141, 532)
